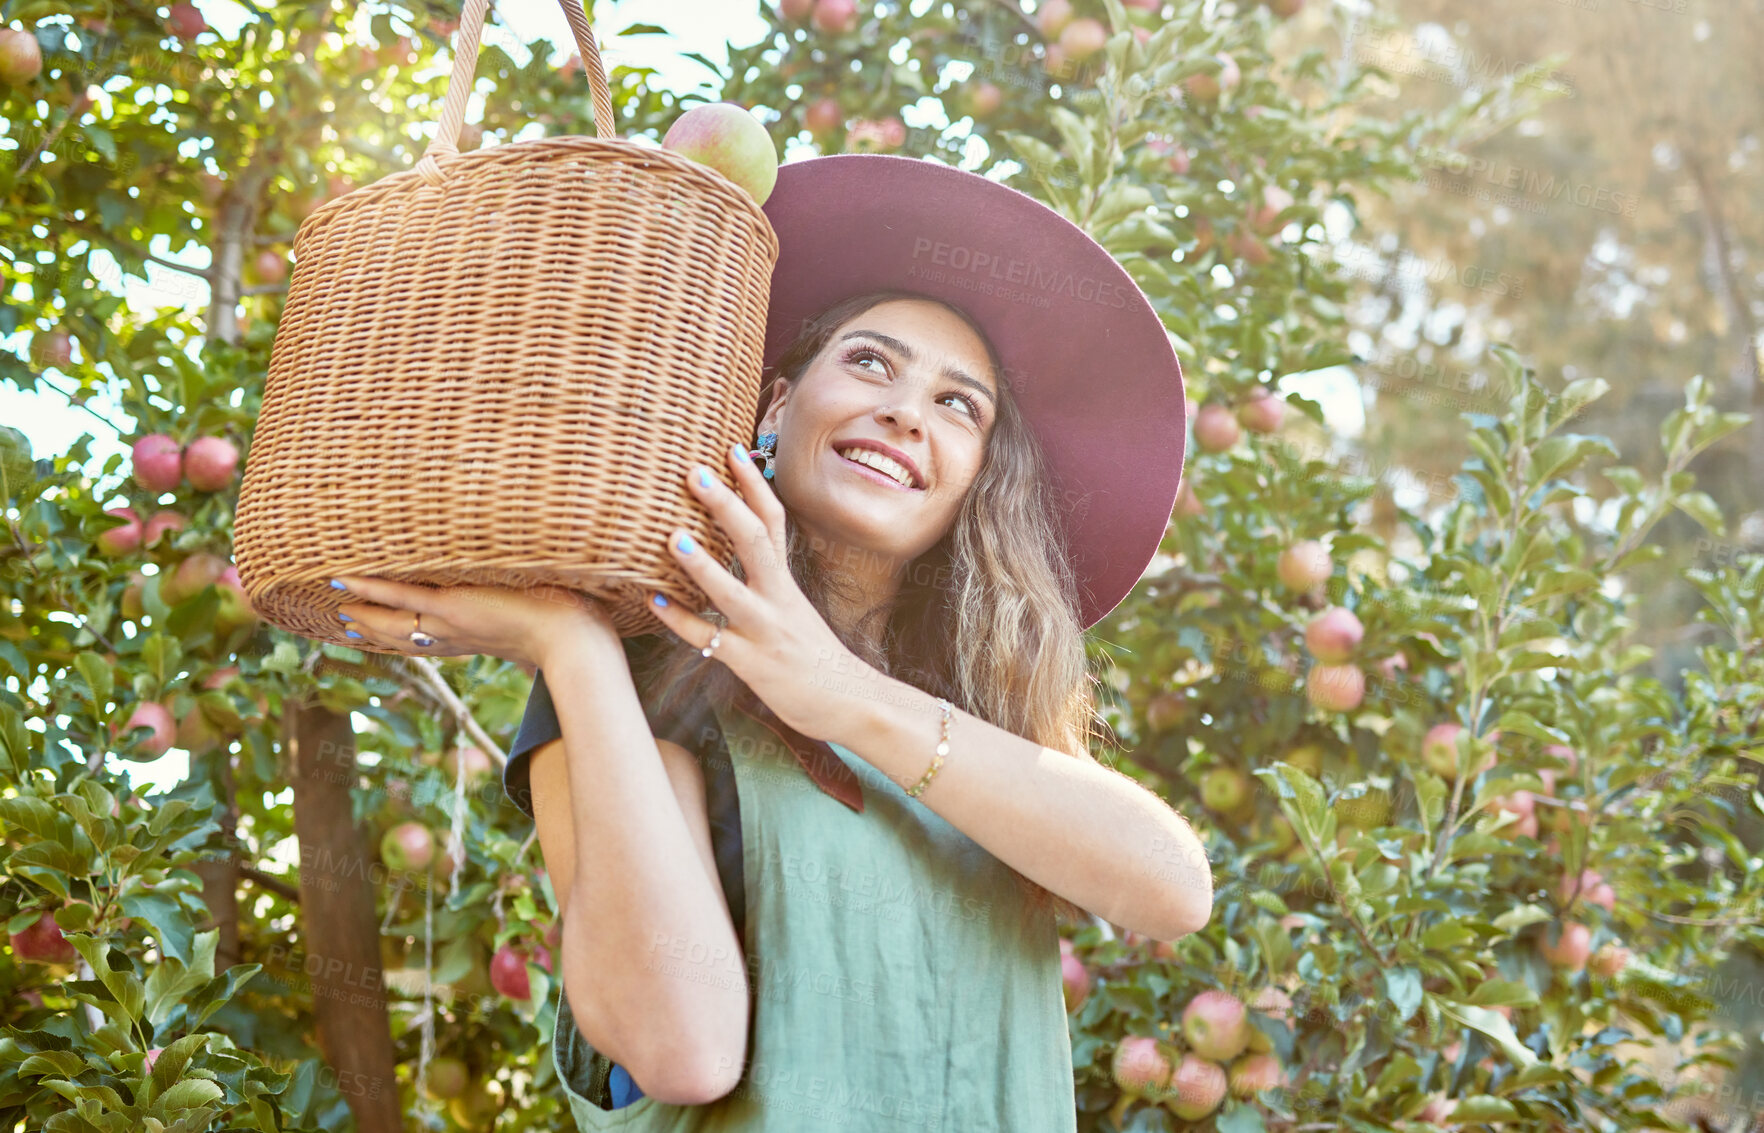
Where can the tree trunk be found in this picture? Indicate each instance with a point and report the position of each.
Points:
(337, 909)
(1748, 368)
(220, 876)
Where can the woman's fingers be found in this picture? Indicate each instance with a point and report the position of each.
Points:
(385, 592)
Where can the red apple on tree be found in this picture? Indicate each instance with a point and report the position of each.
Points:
(1074, 977)
(1215, 429)
(1336, 688)
(835, 17)
(1167, 710)
(194, 575)
(1225, 790)
(1083, 37)
(186, 21)
(271, 267)
(158, 463)
(508, 968)
(984, 100)
(1285, 9)
(210, 463)
(1052, 17)
(407, 847)
(1609, 960)
(131, 605)
(1176, 158)
(1437, 1110)
(1263, 412)
(151, 714)
(1216, 1025)
(823, 117)
(1593, 889)
(162, 522)
(1140, 1067)
(1265, 217)
(1256, 1072)
(21, 58)
(51, 349)
(1568, 948)
(446, 1077)
(1198, 1085)
(124, 537)
(731, 141)
(1334, 635)
(796, 11)
(153, 1054)
(42, 942)
(1187, 503)
(1304, 565)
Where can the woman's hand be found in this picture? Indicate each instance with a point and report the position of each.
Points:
(775, 639)
(520, 625)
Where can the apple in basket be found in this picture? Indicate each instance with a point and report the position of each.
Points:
(731, 141)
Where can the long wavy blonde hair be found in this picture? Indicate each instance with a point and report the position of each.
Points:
(996, 629)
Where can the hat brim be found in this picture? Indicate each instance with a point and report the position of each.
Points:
(1085, 356)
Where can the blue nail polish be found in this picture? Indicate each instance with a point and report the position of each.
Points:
(704, 478)
(686, 544)
(335, 585)
(661, 600)
(350, 633)
(741, 455)
(344, 618)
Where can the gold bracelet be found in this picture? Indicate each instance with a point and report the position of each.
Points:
(942, 750)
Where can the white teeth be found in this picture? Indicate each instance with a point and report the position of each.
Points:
(885, 465)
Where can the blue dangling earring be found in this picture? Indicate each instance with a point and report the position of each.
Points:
(766, 454)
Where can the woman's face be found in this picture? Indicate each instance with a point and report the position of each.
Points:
(906, 374)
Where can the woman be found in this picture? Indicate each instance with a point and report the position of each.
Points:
(832, 895)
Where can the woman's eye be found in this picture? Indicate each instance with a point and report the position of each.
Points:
(860, 355)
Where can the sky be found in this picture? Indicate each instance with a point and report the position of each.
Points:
(694, 26)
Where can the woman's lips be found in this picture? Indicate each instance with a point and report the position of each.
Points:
(870, 473)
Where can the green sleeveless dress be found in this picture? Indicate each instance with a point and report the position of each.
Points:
(896, 983)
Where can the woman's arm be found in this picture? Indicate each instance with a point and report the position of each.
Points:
(1087, 833)
(651, 963)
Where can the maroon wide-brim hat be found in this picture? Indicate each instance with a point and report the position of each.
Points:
(1085, 356)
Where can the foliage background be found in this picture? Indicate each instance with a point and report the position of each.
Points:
(1481, 527)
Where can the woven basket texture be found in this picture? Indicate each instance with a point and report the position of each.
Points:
(498, 368)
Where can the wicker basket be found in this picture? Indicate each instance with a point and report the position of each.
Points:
(498, 368)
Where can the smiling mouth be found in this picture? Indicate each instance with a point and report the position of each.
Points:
(872, 474)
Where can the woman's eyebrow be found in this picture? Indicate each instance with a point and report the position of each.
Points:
(907, 353)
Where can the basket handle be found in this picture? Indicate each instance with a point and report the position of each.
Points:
(445, 144)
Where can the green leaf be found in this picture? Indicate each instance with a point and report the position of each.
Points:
(1403, 987)
(1502, 993)
(1483, 1107)
(1240, 1117)
(172, 926)
(1559, 456)
(1446, 936)
(65, 1063)
(1493, 1025)
(1515, 919)
(98, 678)
(1704, 510)
(191, 1093)
(32, 813)
(169, 1066)
(1075, 132)
(124, 987)
(1119, 200)
(217, 992)
(1300, 796)
(1578, 395)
